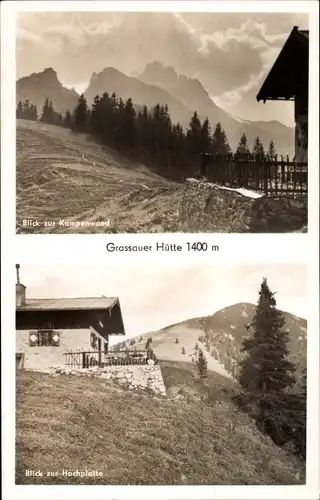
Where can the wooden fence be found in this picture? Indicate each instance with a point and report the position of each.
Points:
(86, 359)
(262, 174)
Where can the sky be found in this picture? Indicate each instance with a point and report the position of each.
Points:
(154, 297)
(230, 53)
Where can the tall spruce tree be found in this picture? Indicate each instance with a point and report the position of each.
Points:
(205, 137)
(266, 368)
(220, 143)
(81, 114)
(194, 135)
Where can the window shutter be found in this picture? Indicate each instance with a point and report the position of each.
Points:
(56, 338)
(33, 338)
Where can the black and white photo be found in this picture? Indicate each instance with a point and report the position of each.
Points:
(151, 122)
(193, 375)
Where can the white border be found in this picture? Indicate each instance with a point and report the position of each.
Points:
(239, 248)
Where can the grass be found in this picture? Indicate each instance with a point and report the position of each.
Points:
(66, 176)
(67, 422)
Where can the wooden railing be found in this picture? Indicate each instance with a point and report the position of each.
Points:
(86, 359)
(269, 175)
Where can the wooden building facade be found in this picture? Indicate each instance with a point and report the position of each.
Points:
(48, 328)
(288, 80)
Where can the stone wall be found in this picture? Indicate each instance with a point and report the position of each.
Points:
(143, 377)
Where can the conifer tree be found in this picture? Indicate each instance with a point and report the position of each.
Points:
(220, 144)
(266, 367)
(271, 150)
(266, 374)
(67, 121)
(50, 113)
(81, 114)
(202, 364)
(205, 137)
(243, 149)
(45, 111)
(258, 148)
(194, 133)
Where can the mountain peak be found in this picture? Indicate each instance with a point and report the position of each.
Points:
(46, 85)
(158, 73)
(108, 72)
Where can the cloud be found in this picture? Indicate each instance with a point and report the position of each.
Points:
(152, 297)
(230, 53)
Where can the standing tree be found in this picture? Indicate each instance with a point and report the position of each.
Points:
(202, 364)
(272, 150)
(220, 143)
(205, 137)
(243, 149)
(81, 114)
(266, 372)
(258, 149)
(266, 367)
(45, 111)
(67, 121)
(194, 135)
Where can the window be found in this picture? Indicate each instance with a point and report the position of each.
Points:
(44, 338)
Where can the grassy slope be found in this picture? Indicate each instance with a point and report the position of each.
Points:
(74, 423)
(62, 175)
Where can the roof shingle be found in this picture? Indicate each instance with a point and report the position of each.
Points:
(76, 303)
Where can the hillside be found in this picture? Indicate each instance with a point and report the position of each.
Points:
(66, 176)
(157, 84)
(133, 438)
(220, 336)
(192, 94)
(46, 85)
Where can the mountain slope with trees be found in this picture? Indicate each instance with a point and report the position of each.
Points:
(191, 92)
(182, 95)
(221, 336)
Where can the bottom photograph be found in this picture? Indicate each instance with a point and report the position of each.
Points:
(161, 375)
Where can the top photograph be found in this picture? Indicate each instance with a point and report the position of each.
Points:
(161, 122)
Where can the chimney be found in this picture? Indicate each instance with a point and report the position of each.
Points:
(20, 290)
